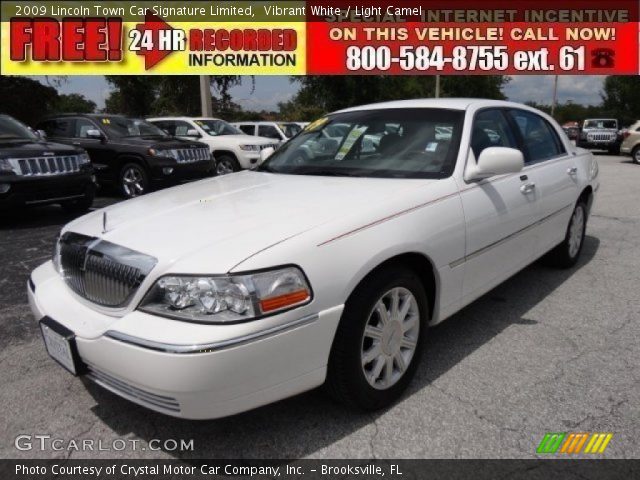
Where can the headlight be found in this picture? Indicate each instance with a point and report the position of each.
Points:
(227, 298)
(5, 166)
(83, 159)
(250, 148)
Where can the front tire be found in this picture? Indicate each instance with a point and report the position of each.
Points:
(133, 180)
(566, 254)
(635, 155)
(226, 164)
(379, 341)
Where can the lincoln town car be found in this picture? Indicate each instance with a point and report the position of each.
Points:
(324, 266)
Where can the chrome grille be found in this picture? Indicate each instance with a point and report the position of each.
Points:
(135, 394)
(43, 166)
(269, 145)
(100, 271)
(190, 155)
(601, 137)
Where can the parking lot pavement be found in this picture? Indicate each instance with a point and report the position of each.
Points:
(547, 351)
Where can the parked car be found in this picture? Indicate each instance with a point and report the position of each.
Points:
(232, 149)
(130, 153)
(631, 142)
(34, 171)
(279, 131)
(222, 295)
(600, 134)
(572, 132)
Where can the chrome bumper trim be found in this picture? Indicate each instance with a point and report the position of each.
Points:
(210, 347)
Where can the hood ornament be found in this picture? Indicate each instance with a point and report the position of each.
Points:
(104, 222)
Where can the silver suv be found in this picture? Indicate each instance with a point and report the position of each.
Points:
(600, 134)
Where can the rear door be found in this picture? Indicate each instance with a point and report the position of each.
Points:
(500, 212)
(554, 172)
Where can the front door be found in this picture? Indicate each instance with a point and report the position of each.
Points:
(500, 213)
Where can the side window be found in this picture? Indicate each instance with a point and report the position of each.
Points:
(540, 140)
(81, 127)
(60, 127)
(181, 128)
(248, 129)
(491, 129)
(167, 126)
(268, 131)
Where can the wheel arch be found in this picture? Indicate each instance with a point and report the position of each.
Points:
(586, 196)
(419, 263)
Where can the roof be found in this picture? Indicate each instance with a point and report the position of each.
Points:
(448, 103)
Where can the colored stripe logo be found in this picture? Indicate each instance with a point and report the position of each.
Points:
(573, 443)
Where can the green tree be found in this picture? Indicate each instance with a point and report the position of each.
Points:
(26, 99)
(620, 98)
(74, 103)
(325, 94)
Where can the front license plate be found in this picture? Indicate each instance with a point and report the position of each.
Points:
(60, 343)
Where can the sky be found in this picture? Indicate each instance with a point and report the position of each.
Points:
(583, 89)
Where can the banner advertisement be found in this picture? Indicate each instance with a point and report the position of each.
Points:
(320, 38)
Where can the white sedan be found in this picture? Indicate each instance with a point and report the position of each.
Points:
(324, 266)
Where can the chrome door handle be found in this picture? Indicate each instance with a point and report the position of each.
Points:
(572, 171)
(76, 143)
(528, 187)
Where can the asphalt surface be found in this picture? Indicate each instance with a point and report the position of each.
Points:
(547, 351)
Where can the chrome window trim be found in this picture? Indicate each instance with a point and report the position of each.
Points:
(214, 346)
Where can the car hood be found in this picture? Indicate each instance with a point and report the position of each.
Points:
(35, 147)
(217, 223)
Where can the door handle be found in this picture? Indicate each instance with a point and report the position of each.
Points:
(528, 187)
(77, 143)
(572, 171)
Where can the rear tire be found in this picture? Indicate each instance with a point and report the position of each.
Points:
(566, 254)
(635, 155)
(226, 164)
(373, 360)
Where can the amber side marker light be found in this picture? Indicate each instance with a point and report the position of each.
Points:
(282, 301)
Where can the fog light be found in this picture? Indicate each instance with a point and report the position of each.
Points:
(167, 170)
(4, 187)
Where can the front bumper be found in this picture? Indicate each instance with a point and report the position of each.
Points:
(32, 191)
(239, 367)
(180, 171)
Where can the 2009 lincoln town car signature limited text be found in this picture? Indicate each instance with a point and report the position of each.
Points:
(325, 265)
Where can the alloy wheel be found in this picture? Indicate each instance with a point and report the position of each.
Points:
(133, 182)
(224, 167)
(390, 338)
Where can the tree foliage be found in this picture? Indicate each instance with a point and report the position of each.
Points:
(29, 100)
(142, 96)
(322, 94)
(620, 97)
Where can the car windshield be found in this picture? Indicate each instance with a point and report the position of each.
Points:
(130, 127)
(12, 130)
(391, 143)
(601, 124)
(290, 129)
(216, 128)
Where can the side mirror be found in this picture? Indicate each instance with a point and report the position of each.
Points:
(42, 135)
(266, 153)
(495, 161)
(95, 134)
(192, 132)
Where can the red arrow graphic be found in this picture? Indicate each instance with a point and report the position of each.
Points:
(154, 24)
